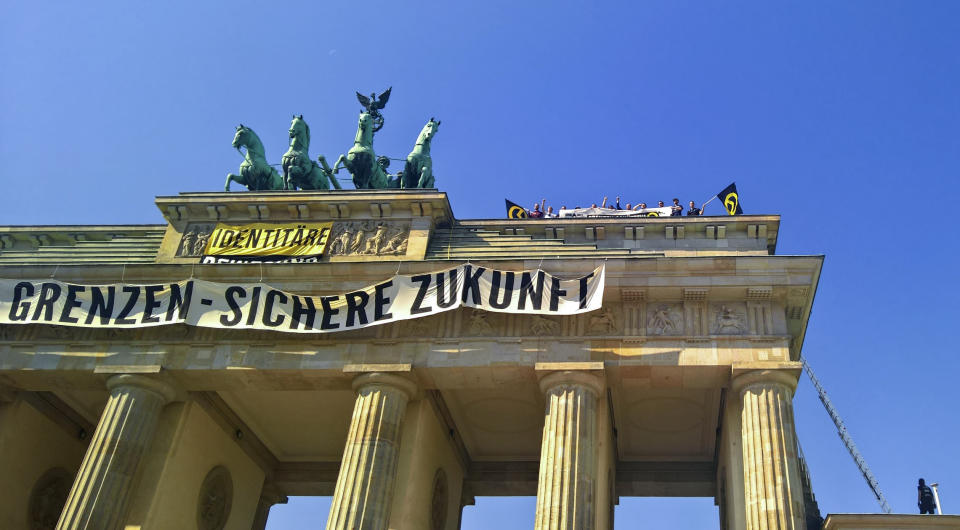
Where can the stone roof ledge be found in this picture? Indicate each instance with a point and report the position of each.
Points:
(889, 521)
(304, 205)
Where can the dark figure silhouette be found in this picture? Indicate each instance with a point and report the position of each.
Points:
(925, 498)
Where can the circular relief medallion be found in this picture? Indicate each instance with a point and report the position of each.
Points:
(216, 498)
(48, 497)
(438, 506)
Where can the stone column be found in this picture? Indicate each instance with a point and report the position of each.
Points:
(98, 499)
(568, 456)
(269, 496)
(365, 485)
(771, 475)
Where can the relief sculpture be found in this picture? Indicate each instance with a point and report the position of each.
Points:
(194, 240)
(215, 500)
(479, 324)
(544, 326)
(369, 238)
(728, 320)
(665, 319)
(603, 323)
(48, 498)
(416, 327)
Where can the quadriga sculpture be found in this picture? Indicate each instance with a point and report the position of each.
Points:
(254, 171)
(373, 105)
(418, 171)
(361, 161)
(298, 170)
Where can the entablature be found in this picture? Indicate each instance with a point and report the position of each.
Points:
(304, 205)
(681, 234)
(691, 297)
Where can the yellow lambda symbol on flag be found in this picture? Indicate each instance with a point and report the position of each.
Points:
(516, 212)
(653, 214)
(731, 202)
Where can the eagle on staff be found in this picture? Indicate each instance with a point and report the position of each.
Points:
(373, 104)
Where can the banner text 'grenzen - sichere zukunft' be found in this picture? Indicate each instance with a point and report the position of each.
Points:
(260, 306)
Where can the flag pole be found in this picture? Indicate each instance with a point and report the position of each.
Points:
(936, 498)
(704, 205)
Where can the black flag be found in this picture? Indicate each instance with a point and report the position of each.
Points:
(731, 200)
(515, 211)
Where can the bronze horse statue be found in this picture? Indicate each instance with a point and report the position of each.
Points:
(255, 173)
(298, 170)
(361, 161)
(418, 171)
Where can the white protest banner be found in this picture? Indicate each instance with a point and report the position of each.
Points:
(260, 306)
(609, 212)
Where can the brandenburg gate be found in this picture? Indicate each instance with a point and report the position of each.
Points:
(156, 377)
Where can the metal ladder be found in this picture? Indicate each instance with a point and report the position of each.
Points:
(847, 440)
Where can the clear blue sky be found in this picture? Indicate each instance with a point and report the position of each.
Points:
(843, 117)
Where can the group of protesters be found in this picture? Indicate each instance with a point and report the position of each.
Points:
(541, 210)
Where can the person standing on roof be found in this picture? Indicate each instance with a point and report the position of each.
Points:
(694, 210)
(925, 498)
(538, 209)
(675, 208)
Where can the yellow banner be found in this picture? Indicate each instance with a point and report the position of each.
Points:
(269, 239)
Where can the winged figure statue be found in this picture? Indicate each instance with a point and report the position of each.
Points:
(373, 104)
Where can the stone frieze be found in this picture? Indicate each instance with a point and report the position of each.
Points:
(664, 318)
(369, 238)
(728, 318)
(541, 325)
(602, 322)
(194, 240)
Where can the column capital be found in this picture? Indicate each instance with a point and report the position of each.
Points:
(743, 379)
(165, 391)
(403, 384)
(590, 380)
